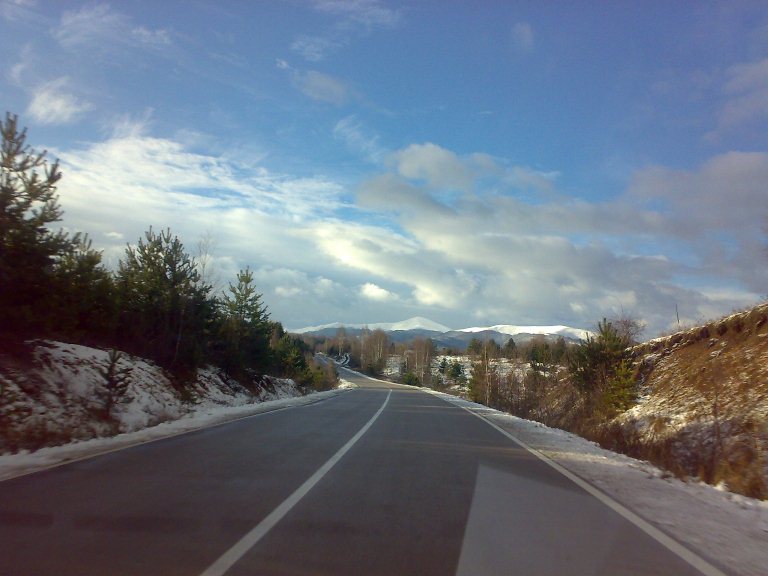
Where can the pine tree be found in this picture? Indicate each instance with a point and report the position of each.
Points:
(165, 310)
(116, 383)
(28, 249)
(600, 368)
(245, 326)
(85, 306)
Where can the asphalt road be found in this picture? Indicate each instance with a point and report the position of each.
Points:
(379, 480)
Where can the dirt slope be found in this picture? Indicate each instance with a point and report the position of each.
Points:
(703, 408)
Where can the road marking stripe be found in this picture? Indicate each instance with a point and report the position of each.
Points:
(668, 542)
(228, 559)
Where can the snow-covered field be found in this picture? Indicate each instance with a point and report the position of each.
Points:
(728, 528)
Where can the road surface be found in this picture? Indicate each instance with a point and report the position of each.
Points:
(381, 480)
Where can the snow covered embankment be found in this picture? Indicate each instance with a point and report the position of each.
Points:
(56, 407)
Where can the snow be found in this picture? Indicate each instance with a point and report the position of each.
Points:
(415, 323)
(323, 327)
(59, 399)
(419, 323)
(729, 529)
(513, 330)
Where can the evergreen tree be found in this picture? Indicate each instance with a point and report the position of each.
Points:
(116, 383)
(245, 328)
(600, 368)
(85, 307)
(28, 249)
(165, 310)
(510, 349)
(475, 347)
(456, 372)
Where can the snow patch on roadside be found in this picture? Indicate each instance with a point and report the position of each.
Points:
(346, 384)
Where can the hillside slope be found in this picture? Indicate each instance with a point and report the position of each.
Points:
(57, 395)
(703, 406)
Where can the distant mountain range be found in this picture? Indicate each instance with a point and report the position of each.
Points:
(446, 337)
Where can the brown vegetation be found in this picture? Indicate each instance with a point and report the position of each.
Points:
(702, 409)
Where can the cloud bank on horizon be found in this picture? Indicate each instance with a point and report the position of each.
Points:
(373, 161)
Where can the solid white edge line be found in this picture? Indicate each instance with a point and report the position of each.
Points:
(668, 542)
(228, 559)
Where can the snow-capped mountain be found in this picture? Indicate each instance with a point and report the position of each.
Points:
(415, 323)
(512, 330)
(444, 336)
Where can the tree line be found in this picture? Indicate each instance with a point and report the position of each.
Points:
(567, 384)
(541, 379)
(157, 304)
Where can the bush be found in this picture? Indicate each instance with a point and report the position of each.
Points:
(600, 368)
(411, 379)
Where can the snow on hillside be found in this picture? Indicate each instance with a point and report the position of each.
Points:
(513, 330)
(418, 323)
(421, 323)
(415, 323)
(59, 397)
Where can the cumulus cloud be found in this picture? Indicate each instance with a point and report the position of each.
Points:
(434, 165)
(377, 293)
(53, 103)
(502, 254)
(686, 238)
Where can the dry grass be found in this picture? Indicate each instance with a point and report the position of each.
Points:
(706, 408)
(703, 408)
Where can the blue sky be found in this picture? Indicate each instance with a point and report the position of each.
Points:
(475, 163)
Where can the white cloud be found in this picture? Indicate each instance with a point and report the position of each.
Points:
(368, 13)
(14, 10)
(552, 258)
(18, 70)
(101, 27)
(151, 37)
(350, 131)
(118, 188)
(494, 256)
(89, 24)
(522, 36)
(435, 165)
(288, 291)
(315, 48)
(323, 87)
(53, 103)
(377, 293)
(130, 125)
(746, 91)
